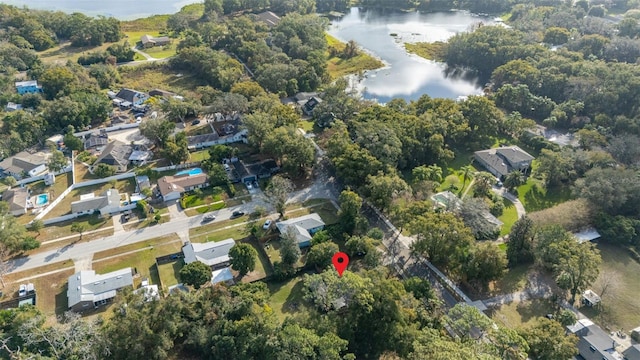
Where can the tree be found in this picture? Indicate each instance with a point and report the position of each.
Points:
(548, 340)
(195, 274)
(578, 266)
(521, 242)
(57, 81)
(442, 238)
(513, 180)
(487, 263)
(427, 173)
(472, 212)
(36, 225)
(79, 227)
(278, 191)
(10, 181)
(382, 189)
(349, 216)
(57, 161)
(71, 142)
(176, 150)
(289, 249)
(320, 255)
(483, 183)
(103, 170)
(556, 36)
(157, 130)
(243, 258)
(12, 234)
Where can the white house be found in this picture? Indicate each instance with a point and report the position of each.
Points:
(304, 227)
(215, 253)
(88, 290)
(107, 203)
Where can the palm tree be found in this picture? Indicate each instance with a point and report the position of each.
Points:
(434, 173)
(513, 180)
(467, 174)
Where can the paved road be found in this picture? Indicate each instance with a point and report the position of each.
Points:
(82, 250)
(509, 196)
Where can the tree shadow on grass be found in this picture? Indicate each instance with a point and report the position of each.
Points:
(294, 300)
(535, 308)
(537, 199)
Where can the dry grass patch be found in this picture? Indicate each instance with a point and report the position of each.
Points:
(171, 239)
(573, 215)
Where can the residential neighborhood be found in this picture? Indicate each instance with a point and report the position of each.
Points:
(320, 180)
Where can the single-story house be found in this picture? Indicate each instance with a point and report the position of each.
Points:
(17, 199)
(228, 134)
(129, 97)
(222, 275)
(25, 164)
(241, 173)
(88, 290)
(172, 187)
(116, 154)
(214, 254)
(12, 107)
(311, 104)
(590, 298)
(150, 41)
(304, 228)
(593, 342)
(269, 18)
(107, 203)
(28, 87)
(503, 160)
(93, 141)
(142, 182)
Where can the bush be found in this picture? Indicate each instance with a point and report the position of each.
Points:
(282, 272)
(30, 243)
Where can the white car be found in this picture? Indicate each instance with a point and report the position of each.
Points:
(23, 290)
(267, 225)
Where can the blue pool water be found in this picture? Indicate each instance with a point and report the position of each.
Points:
(42, 199)
(190, 172)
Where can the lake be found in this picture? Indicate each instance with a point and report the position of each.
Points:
(406, 75)
(120, 9)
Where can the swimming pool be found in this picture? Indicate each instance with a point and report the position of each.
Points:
(42, 199)
(190, 172)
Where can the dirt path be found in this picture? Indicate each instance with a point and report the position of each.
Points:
(146, 56)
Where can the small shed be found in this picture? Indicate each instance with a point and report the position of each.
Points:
(587, 235)
(590, 298)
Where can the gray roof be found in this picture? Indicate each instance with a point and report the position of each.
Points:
(109, 197)
(17, 198)
(592, 336)
(23, 161)
(116, 153)
(269, 18)
(89, 286)
(27, 83)
(503, 159)
(143, 182)
(129, 95)
(301, 226)
(632, 353)
(199, 139)
(210, 253)
(94, 140)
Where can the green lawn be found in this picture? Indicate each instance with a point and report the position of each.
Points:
(205, 209)
(169, 273)
(161, 52)
(199, 155)
(286, 297)
(62, 229)
(508, 217)
(306, 125)
(204, 196)
(263, 267)
(325, 209)
(620, 303)
(522, 314)
(534, 196)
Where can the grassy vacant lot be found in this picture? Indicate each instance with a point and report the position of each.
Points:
(143, 260)
(326, 210)
(535, 196)
(508, 217)
(171, 239)
(64, 207)
(263, 266)
(514, 280)
(65, 52)
(430, 51)
(620, 302)
(339, 67)
(158, 76)
(51, 289)
(286, 297)
(199, 155)
(522, 314)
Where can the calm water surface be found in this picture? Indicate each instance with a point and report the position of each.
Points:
(407, 76)
(121, 9)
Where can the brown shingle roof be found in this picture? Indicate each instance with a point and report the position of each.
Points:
(17, 198)
(169, 184)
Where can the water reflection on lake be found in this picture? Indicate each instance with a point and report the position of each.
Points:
(407, 76)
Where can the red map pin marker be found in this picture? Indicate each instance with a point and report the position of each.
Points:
(340, 261)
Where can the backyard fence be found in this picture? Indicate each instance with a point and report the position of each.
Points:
(177, 167)
(41, 177)
(53, 204)
(105, 180)
(61, 219)
(108, 129)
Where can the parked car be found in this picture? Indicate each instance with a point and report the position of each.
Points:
(249, 186)
(22, 290)
(208, 217)
(267, 225)
(237, 214)
(195, 122)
